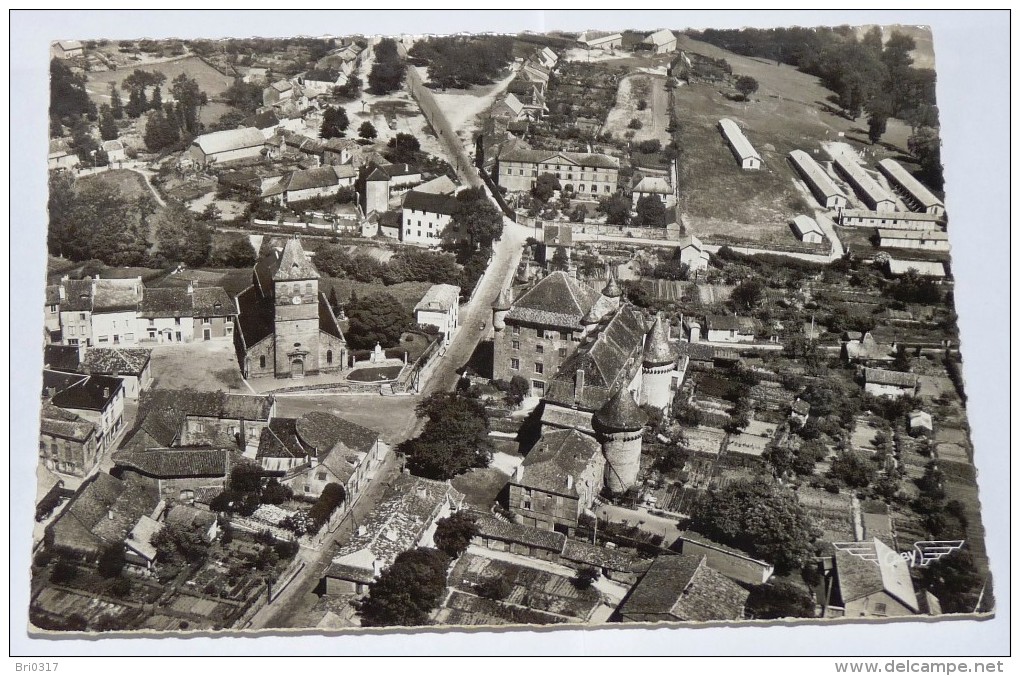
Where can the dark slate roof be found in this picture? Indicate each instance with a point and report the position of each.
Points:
(729, 323)
(696, 351)
(116, 361)
(504, 300)
(190, 517)
(159, 427)
(263, 120)
(323, 431)
(658, 351)
(394, 170)
(557, 455)
(256, 318)
(294, 264)
(557, 300)
(554, 234)
(93, 393)
(327, 320)
(430, 202)
(621, 413)
(58, 381)
(884, 377)
(174, 463)
(212, 301)
(61, 357)
(78, 295)
(685, 589)
(496, 529)
(53, 294)
(166, 302)
(319, 177)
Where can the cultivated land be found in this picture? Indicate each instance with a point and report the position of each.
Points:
(654, 118)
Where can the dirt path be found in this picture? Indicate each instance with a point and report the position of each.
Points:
(462, 107)
(654, 118)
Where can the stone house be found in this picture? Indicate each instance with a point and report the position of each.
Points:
(67, 442)
(439, 307)
(129, 364)
(97, 399)
(585, 174)
(683, 589)
(425, 216)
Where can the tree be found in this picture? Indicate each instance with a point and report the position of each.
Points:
(107, 123)
(616, 208)
(496, 588)
(175, 543)
(68, 97)
(245, 96)
(454, 533)
(190, 99)
(853, 469)
(954, 580)
(367, 130)
(83, 143)
(748, 294)
(239, 253)
(180, 237)
(924, 144)
(759, 517)
(651, 212)
(160, 132)
(560, 261)
(454, 439)
(403, 149)
(388, 70)
(94, 221)
(332, 260)
(407, 591)
(586, 576)
(746, 85)
(376, 318)
(116, 105)
(779, 599)
(156, 102)
(334, 122)
(333, 495)
(545, 185)
(476, 219)
(111, 561)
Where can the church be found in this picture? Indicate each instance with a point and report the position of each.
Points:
(285, 326)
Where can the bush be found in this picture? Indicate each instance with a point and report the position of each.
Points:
(333, 495)
(586, 577)
(495, 588)
(634, 124)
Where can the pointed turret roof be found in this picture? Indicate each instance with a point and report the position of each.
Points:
(504, 300)
(612, 288)
(294, 263)
(621, 413)
(657, 351)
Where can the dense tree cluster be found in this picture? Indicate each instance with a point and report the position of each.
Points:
(455, 437)
(460, 61)
(333, 495)
(475, 222)
(334, 122)
(68, 96)
(454, 533)
(651, 212)
(246, 488)
(407, 591)
(245, 96)
(375, 318)
(406, 265)
(181, 237)
(777, 600)
(387, 72)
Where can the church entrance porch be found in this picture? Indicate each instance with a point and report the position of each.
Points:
(297, 368)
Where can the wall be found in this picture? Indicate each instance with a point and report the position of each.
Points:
(865, 607)
(168, 329)
(423, 227)
(529, 339)
(219, 327)
(118, 328)
(77, 327)
(456, 152)
(731, 565)
(66, 456)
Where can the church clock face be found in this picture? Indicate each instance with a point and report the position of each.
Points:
(296, 300)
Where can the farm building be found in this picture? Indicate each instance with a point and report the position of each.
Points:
(730, 329)
(871, 193)
(438, 308)
(818, 182)
(897, 220)
(225, 146)
(881, 382)
(807, 229)
(914, 194)
(656, 186)
(731, 562)
(660, 42)
(114, 151)
(607, 42)
(310, 183)
(61, 156)
(925, 268)
(67, 49)
(920, 422)
(742, 149)
(913, 239)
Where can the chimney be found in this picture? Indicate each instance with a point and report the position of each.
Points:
(191, 287)
(362, 531)
(109, 514)
(106, 393)
(570, 481)
(62, 291)
(578, 384)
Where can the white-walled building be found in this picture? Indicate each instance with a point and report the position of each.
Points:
(742, 149)
(874, 196)
(692, 253)
(818, 182)
(807, 229)
(439, 307)
(916, 196)
(913, 239)
(588, 174)
(226, 146)
(425, 216)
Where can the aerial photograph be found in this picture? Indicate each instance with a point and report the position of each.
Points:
(586, 328)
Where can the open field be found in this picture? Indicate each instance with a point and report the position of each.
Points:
(128, 184)
(211, 81)
(654, 118)
(408, 293)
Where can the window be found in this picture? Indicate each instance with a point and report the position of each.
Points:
(321, 476)
(563, 352)
(521, 172)
(71, 330)
(129, 337)
(81, 316)
(152, 334)
(72, 341)
(152, 322)
(607, 189)
(517, 331)
(539, 367)
(538, 386)
(880, 608)
(262, 362)
(187, 495)
(177, 321)
(580, 187)
(329, 356)
(103, 339)
(540, 349)
(509, 171)
(526, 504)
(53, 308)
(307, 489)
(516, 344)
(515, 364)
(114, 323)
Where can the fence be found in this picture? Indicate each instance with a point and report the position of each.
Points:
(441, 126)
(411, 377)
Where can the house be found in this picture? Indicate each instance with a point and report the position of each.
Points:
(605, 42)
(51, 322)
(425, 217)
(439, 307)
(101, 514)
(324, 181)
(68, 443)
(265, 120)
(883, 383)
(97, 399)
(807, 229)
(508, 108)
(67, 49)
(800, 411)
(129, 364)
(285, 326)
(558, 480)
(913, 193)
(219, 147)
(920, 422)
(871, 580)
(746, 155)
(547, 56)
(874, 196)
(692, 253)
(321, 81)
(183, 315)
(683, 589)
(66, 358)
(138, 548)
(257, 74)
(318, 449)
(74, 307)
(931, 240)
(115, 304)
(935, 269)
(731, 562)
(279, 92)
(653, 186)
(114, 151)
(817, 181)
(896, 220)
(340, 151)
(555, 236)
(61, 156)
(866, 350)
(660, 42)
(730, 329)
(586, 174)
(404, 519)
(501, 535)
(184, 475)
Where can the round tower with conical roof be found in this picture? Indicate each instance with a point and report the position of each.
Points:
(612, 290)
(657, 366)
(499, 309)
(619, 424)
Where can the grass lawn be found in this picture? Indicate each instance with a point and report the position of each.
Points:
(481, 486)
(125, 182)
(379, 373)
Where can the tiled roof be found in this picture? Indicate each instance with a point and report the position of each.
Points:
(557, 300)
(323, 432)
(585, 552)
(222, 405)
(696, 351)
(430, 202)
(159, 427)
(115, 361)
(657, 185)
(166, 302)
(173, 463)
(555, 234)
(212, 301)
(867, 348)
(53, 294)
(280, 440)
(231, 139)
(621, 413)
(730, 323)
(78, 295)
(661, 37)
(263, 120)
(104, 511)
(60, 423)
(496, 529)
(553, 156)
(439, 297)
(92, 393)
(887, 571)
(190, 517)
(327, 320)
(686, 589)
(441, 185)
(884, 377)
(294, 264)
(504, 300)
(61, 357)
(559, 454)
(657, 350)
(112, 295)
(319, 177)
